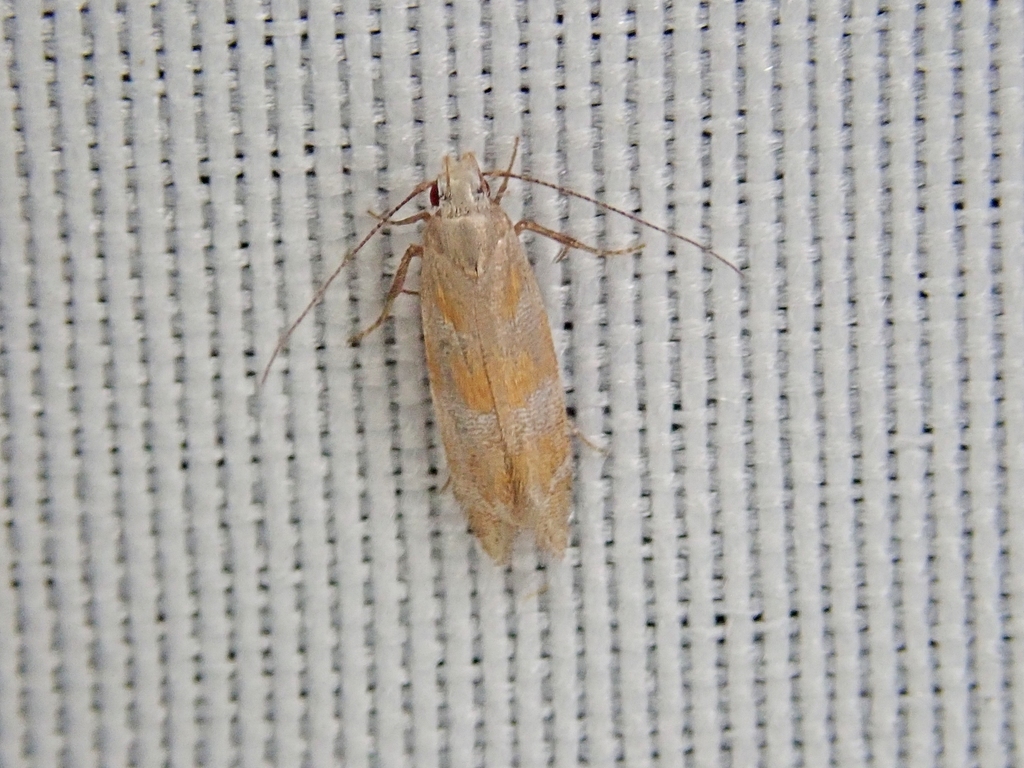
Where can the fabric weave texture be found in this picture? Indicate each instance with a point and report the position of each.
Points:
(803, 540)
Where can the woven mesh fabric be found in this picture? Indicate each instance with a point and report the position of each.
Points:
(803, 543)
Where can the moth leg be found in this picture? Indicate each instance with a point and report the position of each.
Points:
(591, 444)
(411, 252)
(568, 242)
(421, 216)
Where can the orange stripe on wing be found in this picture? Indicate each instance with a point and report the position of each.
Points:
(470, 380)
(525, 373)
(452, 307)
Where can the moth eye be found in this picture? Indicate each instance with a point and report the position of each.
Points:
(435, 197)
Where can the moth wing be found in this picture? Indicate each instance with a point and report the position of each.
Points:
(522, 369)
(499, 402)
(466, 417)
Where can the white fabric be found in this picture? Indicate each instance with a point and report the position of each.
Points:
(805, 545)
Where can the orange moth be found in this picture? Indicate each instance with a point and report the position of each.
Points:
(493, 372)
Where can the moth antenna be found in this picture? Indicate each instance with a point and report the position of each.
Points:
(508, 172)
(631, 216)
(322, 290)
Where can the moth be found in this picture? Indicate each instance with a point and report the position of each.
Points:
(493, 372)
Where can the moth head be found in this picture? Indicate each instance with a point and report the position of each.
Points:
(461, 188)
